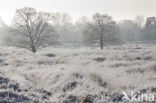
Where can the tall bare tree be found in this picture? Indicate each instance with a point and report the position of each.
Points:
(140, 21)
(149, 31)
(103, 22)
(31, 25)
(63, 23)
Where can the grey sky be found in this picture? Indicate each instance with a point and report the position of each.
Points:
(119, 9)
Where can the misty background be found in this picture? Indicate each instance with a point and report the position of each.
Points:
(118, 9)
(77, 51)
(77, 23)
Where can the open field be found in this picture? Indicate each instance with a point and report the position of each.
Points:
(84, 75)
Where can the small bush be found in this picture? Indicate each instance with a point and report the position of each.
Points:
(50, 55)
(1, 60)
(100, 59)
(99, 80)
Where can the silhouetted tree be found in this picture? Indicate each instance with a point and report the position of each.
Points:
(30, 27)
(140, 21)
(105, 24)
(129, 30)
(149, 31)
(63, 25)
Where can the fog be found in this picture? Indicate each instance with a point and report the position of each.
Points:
(76, 51)
(32, 27)
(119, 9)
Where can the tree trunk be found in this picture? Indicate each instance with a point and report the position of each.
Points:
(33, 49)
(101, 39)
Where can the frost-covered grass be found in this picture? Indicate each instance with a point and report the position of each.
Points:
(64, 75)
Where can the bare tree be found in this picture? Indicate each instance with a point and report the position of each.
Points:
(140, 21)
(103, 22)
(149, 31)
(63, 23)
(31, 25)
(3, 31)
(130, 31)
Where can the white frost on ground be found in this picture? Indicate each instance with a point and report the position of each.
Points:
(80, 75)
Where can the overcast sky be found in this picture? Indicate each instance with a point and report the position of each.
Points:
(118, 9)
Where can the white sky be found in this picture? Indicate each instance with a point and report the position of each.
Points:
(118, 9)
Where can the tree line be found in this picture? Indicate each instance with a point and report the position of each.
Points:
(32, 30)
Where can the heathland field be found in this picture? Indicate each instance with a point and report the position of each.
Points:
(83, 75)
